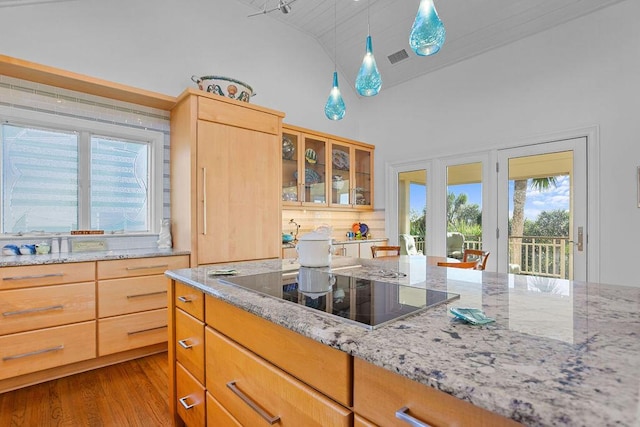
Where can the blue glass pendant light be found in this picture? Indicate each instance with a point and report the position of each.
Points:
(369, 81)
(335, 109)
(428, 33)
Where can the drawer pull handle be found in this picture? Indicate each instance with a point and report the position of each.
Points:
(33, 310)
(147, 267)
(33, 353)
(147, 294)
(183, 402)
(246, 399)
(146, 330)
(184, 299)
(402, 414)
(183, 344)
(35, 276)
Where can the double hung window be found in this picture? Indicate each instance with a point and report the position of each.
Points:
(61, 177)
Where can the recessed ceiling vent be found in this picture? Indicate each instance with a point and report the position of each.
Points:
(400, 55)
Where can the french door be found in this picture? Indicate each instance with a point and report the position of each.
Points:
(542, 209)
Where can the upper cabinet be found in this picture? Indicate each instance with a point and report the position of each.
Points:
(325, 171)
(225, 178)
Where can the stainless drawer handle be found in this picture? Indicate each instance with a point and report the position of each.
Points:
(147, 267)
(246, 399)
(33, 353)
(184, 299)
(147, 294)
(183, 402)
(183, 344)
(402, 414)
(33, 310)
(35, 276)
(146, 330)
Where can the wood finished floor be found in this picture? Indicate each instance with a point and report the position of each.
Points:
(131, 393)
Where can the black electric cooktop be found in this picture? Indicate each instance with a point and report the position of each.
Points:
(366, 302)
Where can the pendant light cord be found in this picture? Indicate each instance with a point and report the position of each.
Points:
(368, 17)
(335, 34)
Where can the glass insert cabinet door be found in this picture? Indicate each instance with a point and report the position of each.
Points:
(314, 165)
(290, 167)
(351, 173)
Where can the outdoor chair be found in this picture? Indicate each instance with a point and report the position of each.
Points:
(478, 256)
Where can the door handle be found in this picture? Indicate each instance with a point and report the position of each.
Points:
(580, 239)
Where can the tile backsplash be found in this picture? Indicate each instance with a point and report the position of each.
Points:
(340, 221)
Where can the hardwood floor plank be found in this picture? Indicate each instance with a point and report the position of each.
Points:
(132, 393)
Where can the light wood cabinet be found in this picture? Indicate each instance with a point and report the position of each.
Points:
(217, 415)
(357, 249)
(132, 302)
(191, 398)
(60, 319)
(380, 394)
(254, 391)
(225, 174)
(325, 171)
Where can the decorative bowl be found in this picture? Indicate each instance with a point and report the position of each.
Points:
(224, 86)
(287, 238)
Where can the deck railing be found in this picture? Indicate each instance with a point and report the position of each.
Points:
(539, 255)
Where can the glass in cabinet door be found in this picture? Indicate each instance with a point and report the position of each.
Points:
(315, 171)
(290, 152)
(340, 190)
(363, 167)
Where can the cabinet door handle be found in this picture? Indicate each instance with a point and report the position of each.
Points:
(403, 414)
(183, 344)
(246, 399)
(33, 353)
(33, 310)
(148, 267)
(146, 330)
(35, 276)
(184, 299)
(183, 402)
(147, 294)
(204, 201)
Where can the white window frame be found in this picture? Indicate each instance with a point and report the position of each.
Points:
(85, 128)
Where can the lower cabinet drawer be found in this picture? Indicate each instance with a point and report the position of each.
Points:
(131, 295)
(380, 394)
(189, 300)
(358, 421)
(37, 308)
(190, 394)
(130, 331)
(255, 392)
(190, 343)
(218, 416)
(33, 351)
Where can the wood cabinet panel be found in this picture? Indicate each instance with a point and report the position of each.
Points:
(379, 394)
(44, 275)
(191, 405)
(238, 172)
(235, 376)
(359, 421)
(190, 344)
(121, 333)
(33, 351)
(133, 267)
(123, 296)
(218, 416)
(189, 300)
(242, 116)
(324, 368)
(27, 309)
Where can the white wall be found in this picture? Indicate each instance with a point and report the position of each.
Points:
(159, 44)
(583, 73)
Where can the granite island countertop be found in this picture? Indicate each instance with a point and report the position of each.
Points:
(560, 352)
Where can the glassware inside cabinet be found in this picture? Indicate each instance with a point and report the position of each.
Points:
(341, 175)
(363, 191)
(290, 152)
(315, 170)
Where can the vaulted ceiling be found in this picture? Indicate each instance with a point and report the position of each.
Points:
(473, 27)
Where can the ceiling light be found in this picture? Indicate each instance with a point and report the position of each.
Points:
(427, 33)
(369, 81)
(335, 109)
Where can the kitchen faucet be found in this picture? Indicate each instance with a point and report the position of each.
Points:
(295, 235)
